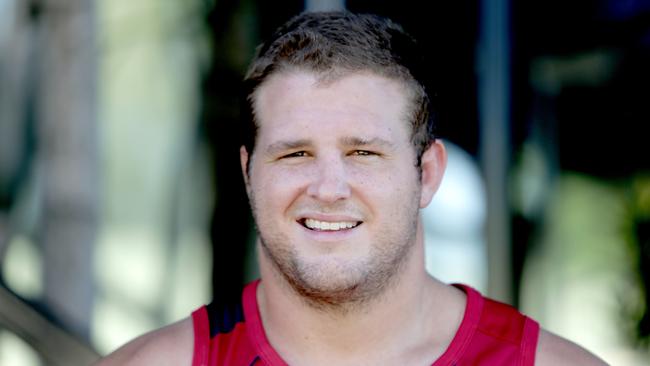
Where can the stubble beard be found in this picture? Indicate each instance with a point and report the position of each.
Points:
(344, 287)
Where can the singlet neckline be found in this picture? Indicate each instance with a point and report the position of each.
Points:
(466, 329)
(256, 330)
(460, 341)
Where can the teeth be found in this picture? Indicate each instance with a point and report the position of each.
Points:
(329, 226)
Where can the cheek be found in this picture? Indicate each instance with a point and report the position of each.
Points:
(381, 178)
(276, 189)
(387, 190)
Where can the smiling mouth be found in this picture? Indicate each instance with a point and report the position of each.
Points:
(317, 225)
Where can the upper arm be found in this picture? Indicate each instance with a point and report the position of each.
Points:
(553, 350)
(170, 345)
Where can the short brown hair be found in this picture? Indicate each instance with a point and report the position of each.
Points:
(333, 44)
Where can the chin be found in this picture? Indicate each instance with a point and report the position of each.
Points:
(330, 275)
(335, 286)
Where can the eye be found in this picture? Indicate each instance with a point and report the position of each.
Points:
(363, 153)
(297, 154)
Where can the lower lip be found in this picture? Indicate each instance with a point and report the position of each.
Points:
(329, 235)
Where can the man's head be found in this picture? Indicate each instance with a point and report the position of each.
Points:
(334, 44)
(331, 172)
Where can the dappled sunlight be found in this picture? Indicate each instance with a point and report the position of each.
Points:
(16, 352)
(22, 268)
(580, 278)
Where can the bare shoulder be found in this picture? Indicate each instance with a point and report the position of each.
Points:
(170, 345)
(557, 351)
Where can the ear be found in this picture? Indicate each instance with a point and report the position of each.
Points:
(434, 162)
(243, 160)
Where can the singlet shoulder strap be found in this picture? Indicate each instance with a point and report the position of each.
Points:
(529, 343)
(223, 317)
(492, 333)
(507, 324)
(201, 337)
(209, 321)
(502, 321)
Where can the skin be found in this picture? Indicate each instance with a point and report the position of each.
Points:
(167, 346)
(341, 152)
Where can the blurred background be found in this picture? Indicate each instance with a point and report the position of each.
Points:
(122, 207)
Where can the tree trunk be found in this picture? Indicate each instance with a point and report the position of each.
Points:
(68, 158)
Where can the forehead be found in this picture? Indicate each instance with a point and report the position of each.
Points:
(358, 103)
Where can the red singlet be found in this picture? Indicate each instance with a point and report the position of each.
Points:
(491, 333)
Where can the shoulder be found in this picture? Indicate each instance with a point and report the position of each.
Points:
(170, 345)
(557, 351)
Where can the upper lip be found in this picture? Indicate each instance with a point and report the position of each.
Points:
(329, 217)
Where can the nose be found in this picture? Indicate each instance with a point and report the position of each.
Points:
(330, 182)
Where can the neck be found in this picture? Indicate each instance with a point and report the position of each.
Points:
(360, 331)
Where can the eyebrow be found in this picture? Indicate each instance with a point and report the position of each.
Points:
(280, 146)
(360, 141)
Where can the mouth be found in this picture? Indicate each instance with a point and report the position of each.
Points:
(317, 225)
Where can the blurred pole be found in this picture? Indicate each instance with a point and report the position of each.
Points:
(324, 5)
(494, 121)
(17, 63)
(67, 145)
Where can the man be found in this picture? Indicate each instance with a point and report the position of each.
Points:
(339, 159)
